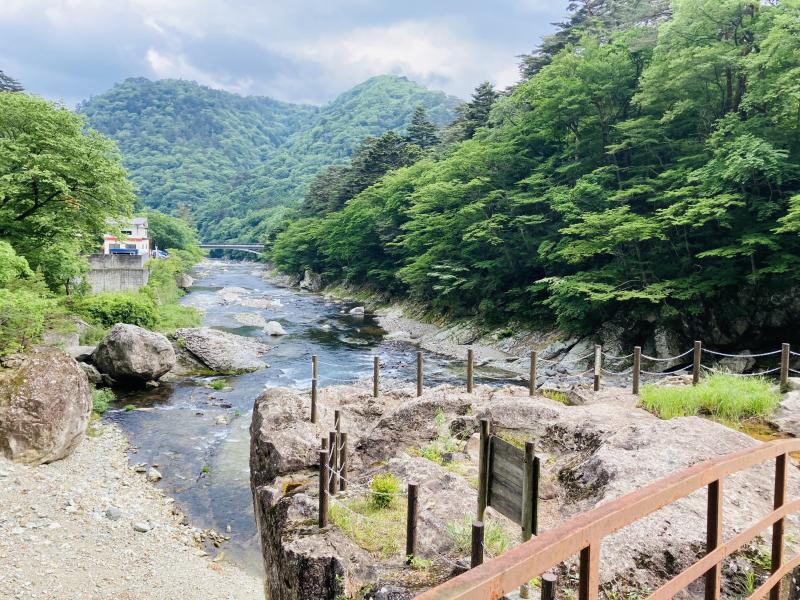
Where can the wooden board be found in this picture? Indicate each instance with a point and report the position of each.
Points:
(506, 472)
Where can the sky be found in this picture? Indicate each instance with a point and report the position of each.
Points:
(299, 51)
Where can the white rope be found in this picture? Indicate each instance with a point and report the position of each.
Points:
(666, 373)
(706, 350)
(767, 372)
(793, 353)
(668, 359)
(612, 357)
(626, 372)
(795, 371)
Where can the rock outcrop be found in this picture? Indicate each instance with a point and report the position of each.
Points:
(220, 351)
(133, 354)
(45, 404)
(590, 454)
(311, 281)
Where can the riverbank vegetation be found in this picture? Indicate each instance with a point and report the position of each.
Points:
(645, 170)
(61, 188)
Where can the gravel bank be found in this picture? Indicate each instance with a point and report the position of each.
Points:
(62, 537)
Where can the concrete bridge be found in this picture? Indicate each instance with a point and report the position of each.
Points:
(251, 248)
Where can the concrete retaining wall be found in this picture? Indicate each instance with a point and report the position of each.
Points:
(117, 272)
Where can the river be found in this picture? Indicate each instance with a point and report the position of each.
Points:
(205, 464)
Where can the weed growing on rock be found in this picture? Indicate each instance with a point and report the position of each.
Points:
(495, 537)
(384, 488)
(101, 399)
(218, 384)
(379, 531)
(722, 395)
(129, 407)
(444, 442)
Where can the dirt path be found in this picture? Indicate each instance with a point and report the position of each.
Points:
(59, 541)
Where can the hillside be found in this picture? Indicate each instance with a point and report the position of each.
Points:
(233, 160)
(643, 176)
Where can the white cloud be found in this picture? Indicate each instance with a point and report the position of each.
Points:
(427, 52)
(178, 66)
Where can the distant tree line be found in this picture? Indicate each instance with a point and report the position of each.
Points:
(645, 170)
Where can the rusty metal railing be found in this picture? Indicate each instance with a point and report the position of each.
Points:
(584, 534)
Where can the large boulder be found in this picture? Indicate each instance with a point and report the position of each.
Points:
(222, 352)
(311, 281)
(130, 353)
(45, 404)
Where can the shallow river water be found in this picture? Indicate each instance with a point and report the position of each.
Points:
(205, 464)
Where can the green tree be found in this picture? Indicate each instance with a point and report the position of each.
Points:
(59, 184)
(166, 231)
(9, 84)
(422, 131)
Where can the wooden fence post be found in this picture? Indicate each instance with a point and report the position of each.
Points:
(713, 537)
(314, 411)
(337, 421)
(477, 544)
(376, 376)
(548, 586)
(343, 461)
(411, 522)
(785, 355)
(637, 368)
(419, 374)
(698, 351)
(532, 385)
(332, 462)
(781, 463)
(528, 503)
(598, 365)
(313, 366)
(483, 468)
(470, 369)
(323, 488)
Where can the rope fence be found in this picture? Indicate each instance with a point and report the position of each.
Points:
(596, 367)
(334, 478)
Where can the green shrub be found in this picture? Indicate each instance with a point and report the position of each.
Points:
(721, 395)
(22, 318)
(101, 399)
(218, 384)
(384, 488)
(92, 335)
(170, 317)
(109, 308)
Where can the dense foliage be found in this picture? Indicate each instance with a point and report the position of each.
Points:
(236, 162)
(58, 186)
(633, 176)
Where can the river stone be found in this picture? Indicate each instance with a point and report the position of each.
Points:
(45, 403)
(250, 319)
(358, 310)
(186, 281)
(94, 376)
(221, 351)
(131, 353)
(274, 328)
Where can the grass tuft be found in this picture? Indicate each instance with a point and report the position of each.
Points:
(101, 398)
(722, 395)
(495, 537)
(380, 531)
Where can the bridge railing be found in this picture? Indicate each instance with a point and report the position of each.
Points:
(584, 534)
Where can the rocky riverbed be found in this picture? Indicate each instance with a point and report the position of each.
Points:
(91, 527)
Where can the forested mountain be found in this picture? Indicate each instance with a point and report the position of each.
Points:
(647, 172)
(233, 160)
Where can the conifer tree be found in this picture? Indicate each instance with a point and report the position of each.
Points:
(422, 131)
(9, 84)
